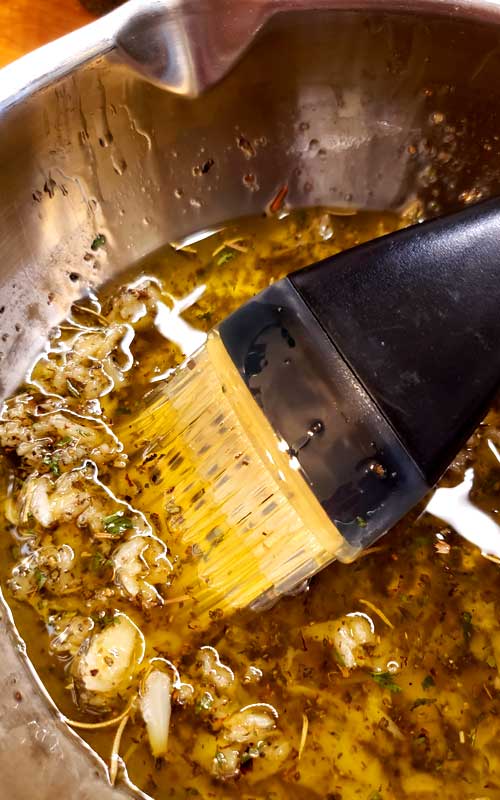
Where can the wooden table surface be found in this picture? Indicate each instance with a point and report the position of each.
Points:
(27, 24)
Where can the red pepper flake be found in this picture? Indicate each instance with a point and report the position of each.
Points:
(278, 201)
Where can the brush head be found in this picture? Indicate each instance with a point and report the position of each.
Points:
(265, 460)
(233, 508)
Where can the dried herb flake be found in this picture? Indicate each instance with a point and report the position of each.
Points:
(205, 703)
(99, 562)
(428, 682)
(99, 241)
(467, 625)
(117, 523)
(386, 680)
(422, 701)
(252, 752)
(104, 619)
(52, 462)
(40, 578)
(225, 256)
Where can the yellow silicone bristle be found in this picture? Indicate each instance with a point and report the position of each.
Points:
(238, 538)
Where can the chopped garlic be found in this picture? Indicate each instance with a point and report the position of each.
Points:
(217, 673)
(347, 635)
(156, 708)
(140, 563)
(249, 724)
(108, 660)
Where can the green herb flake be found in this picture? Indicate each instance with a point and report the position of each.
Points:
(117, 523)
(361, 521)
(220, 758)
(104, 619)
(467, 625)
(99, 562)
(422, 701)
(123, 410)
(99, 241)
(66, 440)
(40, 578)
(52, 462)
(73, 391)
(205, 703)
(254, 751)
(225, 256)
(386, 681)
(375, 796)
(428, 682)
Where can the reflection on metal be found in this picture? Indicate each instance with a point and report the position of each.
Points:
(162, 40)
(455, 508)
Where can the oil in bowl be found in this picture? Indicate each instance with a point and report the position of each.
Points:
(379, 681)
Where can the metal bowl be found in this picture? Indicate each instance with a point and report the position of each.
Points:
(169, 116)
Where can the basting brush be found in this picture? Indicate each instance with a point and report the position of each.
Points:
(319, 413)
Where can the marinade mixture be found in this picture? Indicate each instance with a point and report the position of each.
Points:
(380, 681)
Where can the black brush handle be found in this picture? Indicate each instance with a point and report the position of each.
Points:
(416, 315)
(375, 365)
(332, 430)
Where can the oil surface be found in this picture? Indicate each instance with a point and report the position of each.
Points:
(379, 682)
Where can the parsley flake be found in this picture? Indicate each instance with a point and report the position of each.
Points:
(422, 701)
(225, 256)
(52, 462)
(103, 618)
(428, 682)
(467, 625)
(117, 523)
(99, 562)
(252, 752)
(99, 241)
(205, 703)
(386, 681)
(40, 578)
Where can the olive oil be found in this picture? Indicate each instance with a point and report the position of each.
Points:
(378, 681)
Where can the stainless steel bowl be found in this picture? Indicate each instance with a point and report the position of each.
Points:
(362, 104)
